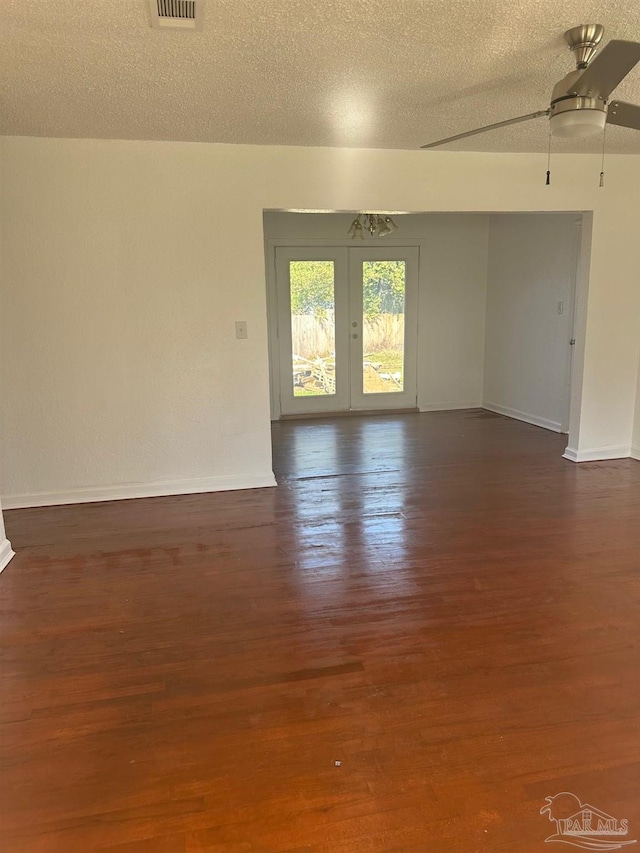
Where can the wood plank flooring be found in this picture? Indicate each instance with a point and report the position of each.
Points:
(429, 627)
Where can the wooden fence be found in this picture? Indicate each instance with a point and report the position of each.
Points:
(314, 338)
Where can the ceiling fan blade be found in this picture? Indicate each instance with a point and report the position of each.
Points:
(608, 69)
(624, 115)
(484, 129)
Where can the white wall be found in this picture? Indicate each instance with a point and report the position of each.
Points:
(451, 304)
(452, 313)
(635, 443)
(532, 267)
(125, 265)
(124, 270)
(6, 553)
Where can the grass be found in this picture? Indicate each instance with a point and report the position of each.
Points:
(390, 359)
(307, 392)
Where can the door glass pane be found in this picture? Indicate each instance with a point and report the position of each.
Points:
(313, 328)
(383, 300)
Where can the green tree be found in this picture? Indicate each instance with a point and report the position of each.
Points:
(383, 287)
(312, 287)
(312, 290)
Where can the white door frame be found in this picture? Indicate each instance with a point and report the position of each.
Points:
(573, 310)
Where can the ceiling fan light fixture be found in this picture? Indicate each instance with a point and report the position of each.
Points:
(577, 124)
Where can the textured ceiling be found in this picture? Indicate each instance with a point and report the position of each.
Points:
(371, 73)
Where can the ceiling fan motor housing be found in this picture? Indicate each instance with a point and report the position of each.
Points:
(575, 115)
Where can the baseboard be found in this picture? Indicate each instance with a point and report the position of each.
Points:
(571, 454)
(128, 491)
(449, 407)
(597, 454)
(6, 553)
(554, 426)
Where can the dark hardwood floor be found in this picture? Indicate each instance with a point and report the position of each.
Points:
(429, 627)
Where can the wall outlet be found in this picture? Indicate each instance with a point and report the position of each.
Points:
(241, 330)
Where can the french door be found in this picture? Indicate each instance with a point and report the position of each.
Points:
(347, 328)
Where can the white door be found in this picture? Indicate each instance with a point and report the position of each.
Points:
(347, 328)
(383, 287)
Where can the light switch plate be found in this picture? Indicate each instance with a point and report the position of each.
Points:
(241, 330)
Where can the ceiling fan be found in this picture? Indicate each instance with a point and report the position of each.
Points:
(580, 103)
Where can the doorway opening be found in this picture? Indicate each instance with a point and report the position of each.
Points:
(452, 311)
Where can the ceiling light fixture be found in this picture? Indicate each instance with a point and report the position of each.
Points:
(375, 224)
(578, 124)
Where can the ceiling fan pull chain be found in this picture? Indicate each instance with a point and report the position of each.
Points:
(604, 139)
(549, 163)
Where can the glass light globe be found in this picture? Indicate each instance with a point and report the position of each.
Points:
(576, 124)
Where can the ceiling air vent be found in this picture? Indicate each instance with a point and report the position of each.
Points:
(176, 14)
